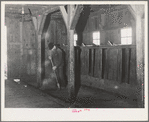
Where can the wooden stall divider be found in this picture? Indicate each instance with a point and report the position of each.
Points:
(105, 64)
(109, 63)
(86, 61)
(132, 77)
(82, 61)
(127, 65)
(97, 64)
(119, 68)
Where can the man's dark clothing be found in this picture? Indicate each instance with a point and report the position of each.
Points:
(57, 57)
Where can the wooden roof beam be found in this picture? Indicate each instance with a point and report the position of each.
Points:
(45, 11)
(50, 10)
(136, 10)
(64, 14)
(132, 11)
(39, 23)
(75, 17)
(41, 26)
(34, 19)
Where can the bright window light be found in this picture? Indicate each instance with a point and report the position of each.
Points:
(75, 39)
(96, 38)
(126, 36)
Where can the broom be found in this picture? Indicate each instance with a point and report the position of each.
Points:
(58, 85)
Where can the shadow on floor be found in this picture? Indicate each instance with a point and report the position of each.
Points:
(93, 98)
(21, 95)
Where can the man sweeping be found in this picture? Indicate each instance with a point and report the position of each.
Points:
(56, 57)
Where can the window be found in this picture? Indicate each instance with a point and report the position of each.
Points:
(96, 38)
(126, 36)
(75, 39)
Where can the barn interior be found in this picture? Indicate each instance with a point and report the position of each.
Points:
(103, 46)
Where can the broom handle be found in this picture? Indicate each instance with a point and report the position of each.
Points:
(55, 75)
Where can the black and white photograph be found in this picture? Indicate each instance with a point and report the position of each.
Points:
(76, 60)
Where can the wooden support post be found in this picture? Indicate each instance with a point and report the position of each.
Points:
(140, 63)
(70, 33)
(38, 24)
(68, 19)
(39, 68)
(138, 11)
(21, 37)
(21, 40)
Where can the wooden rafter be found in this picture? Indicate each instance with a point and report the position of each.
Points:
(42, 24)
(132, 11)
(75, 17)
(39, 18)
(34, 19)
(50, 10)
(64, 14)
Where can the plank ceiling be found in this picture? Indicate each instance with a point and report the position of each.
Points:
(15, 10)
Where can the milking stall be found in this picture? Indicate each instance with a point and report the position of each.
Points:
(103, 49)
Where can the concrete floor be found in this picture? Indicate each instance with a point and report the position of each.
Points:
(19, 96)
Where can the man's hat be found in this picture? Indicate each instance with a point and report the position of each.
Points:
(50, 45)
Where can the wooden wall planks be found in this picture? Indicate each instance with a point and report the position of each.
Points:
(82, 62)
(110, 30)
(29, 44)
(98, 65)
(119, 67)
(14, 60)
(21, 53)
(112, 63)
(86, 61)
(132, 77)
(127, 65)
(13, 48)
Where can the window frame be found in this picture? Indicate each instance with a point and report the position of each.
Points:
(126, 36)
(96, 39)
(75, 39)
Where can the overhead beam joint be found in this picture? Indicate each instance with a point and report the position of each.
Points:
(76, 14)
(64, 14)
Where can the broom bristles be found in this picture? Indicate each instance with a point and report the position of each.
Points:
(49, 83)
